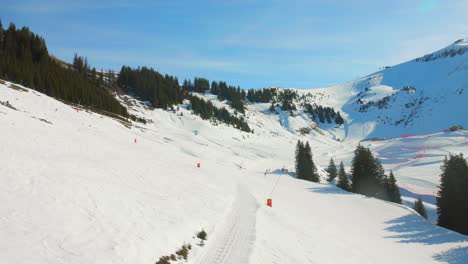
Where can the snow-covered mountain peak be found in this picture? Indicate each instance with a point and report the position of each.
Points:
(459, 47)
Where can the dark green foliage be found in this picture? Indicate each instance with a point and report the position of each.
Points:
(299, 160)
(202, 235)
(200, 85)
(393, 192)
(161, 90)
(343, 181)
(452, 199)
(332, 171)
(419, 207)
(188, 86)
(305, 167)
(1, 36)
(234, 95)
(261, 95)
(369, 177)
(338, 119)
(80, 64)
(214, 88)
(207, 110)
(25, 60)
(286, 98)
(324, 114)
(367, 174)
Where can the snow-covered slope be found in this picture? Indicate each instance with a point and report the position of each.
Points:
(409, 109)
(77, 187)
(422, 96)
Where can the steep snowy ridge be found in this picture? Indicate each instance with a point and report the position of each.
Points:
(425, 96)
(459, 47)
(421, 96)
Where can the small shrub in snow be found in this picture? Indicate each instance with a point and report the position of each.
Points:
(455, 128)
(183, 252)
(202, 235)
(163, 260)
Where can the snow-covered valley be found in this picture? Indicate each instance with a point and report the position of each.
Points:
(78, 187)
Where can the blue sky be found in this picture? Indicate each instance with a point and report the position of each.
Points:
(253, 44)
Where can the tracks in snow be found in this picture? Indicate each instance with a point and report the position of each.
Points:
(235, 236)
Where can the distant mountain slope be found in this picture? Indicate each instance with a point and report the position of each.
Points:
(425, 95)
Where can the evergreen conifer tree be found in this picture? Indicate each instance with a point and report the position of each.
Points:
(1, 36)
(332, 171)
(419, 207)
(343, 181)
(338, 119)
(367, 174)
(300, 160)
(452, 199)
(309, 166)
(393, 192)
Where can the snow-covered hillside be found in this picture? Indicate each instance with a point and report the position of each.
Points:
(404, 113)
(78, 187)
(422, 96)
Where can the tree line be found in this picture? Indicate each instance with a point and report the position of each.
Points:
(284, 99)
(206, 110)
(324, 114)
(161, 90)
(234, 95)
(24, 59)
(264, 95)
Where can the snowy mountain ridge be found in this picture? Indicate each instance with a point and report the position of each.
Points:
(421, 96)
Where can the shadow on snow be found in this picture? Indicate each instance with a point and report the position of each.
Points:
(412, 228)
(328, 190)
(454, 256)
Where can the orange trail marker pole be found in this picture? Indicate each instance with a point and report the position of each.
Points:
(198, 165)
(269, 203)
(135, 140)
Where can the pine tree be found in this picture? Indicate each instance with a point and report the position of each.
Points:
(452, 199)
(393, 192)
(309, 165)
(214, 88)
(419, 207)
(367, 174)
(305, 167)
(338, 119)
(343, 181)
(1, 36)
(25, 60)
(300, 160)
(332, 171)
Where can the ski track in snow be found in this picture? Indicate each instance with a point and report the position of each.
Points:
(233, 240)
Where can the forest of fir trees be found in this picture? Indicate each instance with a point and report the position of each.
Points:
(24, 59)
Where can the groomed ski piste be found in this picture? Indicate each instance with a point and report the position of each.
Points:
(79, 187)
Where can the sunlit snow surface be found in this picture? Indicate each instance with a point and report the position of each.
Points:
(76, 188)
